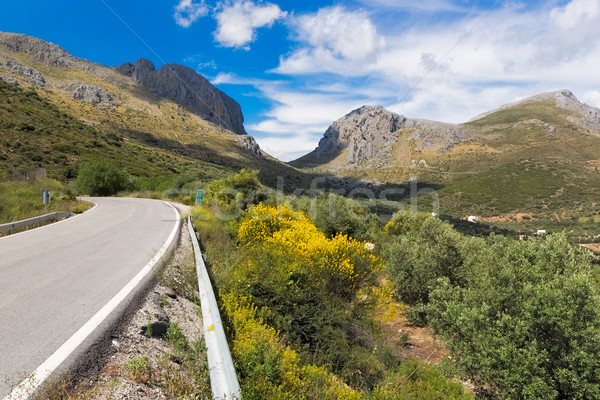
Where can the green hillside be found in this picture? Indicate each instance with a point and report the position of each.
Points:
(145, 134)
(35, 133)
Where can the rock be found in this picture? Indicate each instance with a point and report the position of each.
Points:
(438, 135)
(126, 69)
(170, 293)
(249, 144)
(370, 132)
(38, 49)
(9, 79)
(31, 75)
(93, 95)
(186, 87)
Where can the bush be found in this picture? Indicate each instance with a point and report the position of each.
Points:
(316, 290)
(527, 325)
(100, 178)
(236, 191)
(423, 251)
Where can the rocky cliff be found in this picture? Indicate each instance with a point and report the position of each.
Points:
(37, 49)
(32, 61)
(190, 89)
(370, 132)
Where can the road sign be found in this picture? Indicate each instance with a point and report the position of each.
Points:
(199, 196)
(45, 196)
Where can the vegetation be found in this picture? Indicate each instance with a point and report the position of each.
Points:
(529, 160)
(521, 318)
(101, 178)
(525, 323)
(20, 199)
(301, 306)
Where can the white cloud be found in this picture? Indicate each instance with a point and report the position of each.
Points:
(237, 22)
(419, 5)
(575, 13)
(297, 120)
(336, 39)
(287, 148)
(450, 70)
(187, 12)
(592, 98)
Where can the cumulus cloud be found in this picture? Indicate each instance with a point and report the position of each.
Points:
(335, 39)
(187, 12)
(299, 117)
(237, 22)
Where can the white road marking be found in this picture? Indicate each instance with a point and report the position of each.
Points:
(27, 387)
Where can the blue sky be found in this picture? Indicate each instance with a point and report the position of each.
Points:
(297, 66)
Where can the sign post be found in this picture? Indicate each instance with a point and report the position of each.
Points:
(199, 196)
(46, 198)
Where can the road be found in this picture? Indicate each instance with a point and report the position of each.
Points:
(54, 279)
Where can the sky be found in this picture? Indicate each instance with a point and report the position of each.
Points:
(297, 66)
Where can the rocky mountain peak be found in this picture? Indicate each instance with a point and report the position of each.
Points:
(370, 132)
(364, 121)
(190, 89)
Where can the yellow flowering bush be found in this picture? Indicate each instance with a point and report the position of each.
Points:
(271, 369)
(261, 222)
(291, 233)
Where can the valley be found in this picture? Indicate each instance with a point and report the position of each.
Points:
(385, 264)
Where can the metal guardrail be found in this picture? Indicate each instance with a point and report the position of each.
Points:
(223, 379)
(11, 226)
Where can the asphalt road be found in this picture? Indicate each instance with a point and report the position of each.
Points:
(55, 278)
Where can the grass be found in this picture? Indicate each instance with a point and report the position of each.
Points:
(23, 199)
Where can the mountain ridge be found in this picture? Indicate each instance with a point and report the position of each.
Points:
(176, 82)
(123, 112)
(365, 132)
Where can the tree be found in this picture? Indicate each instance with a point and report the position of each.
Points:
(420, 255)
(101, 178)
(527, 324)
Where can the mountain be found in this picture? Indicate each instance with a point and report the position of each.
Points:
(537, 159)
(184, 86)
(172, 110)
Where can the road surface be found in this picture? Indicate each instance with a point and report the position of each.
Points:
(54, 279)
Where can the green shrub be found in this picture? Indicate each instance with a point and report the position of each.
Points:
(335, 214)
(100, 178)
(426, 250)
(527, 325)
(415, 380)
(236, 192)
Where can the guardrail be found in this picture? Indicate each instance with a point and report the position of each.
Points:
(11, 226)
(223, 379)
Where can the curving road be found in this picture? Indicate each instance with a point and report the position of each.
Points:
(58, 278)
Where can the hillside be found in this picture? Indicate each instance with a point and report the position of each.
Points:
(528, 165)
(136, 113)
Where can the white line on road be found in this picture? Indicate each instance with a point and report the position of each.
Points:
(31, 383)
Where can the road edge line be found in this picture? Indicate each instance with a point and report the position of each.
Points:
(28, 386)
